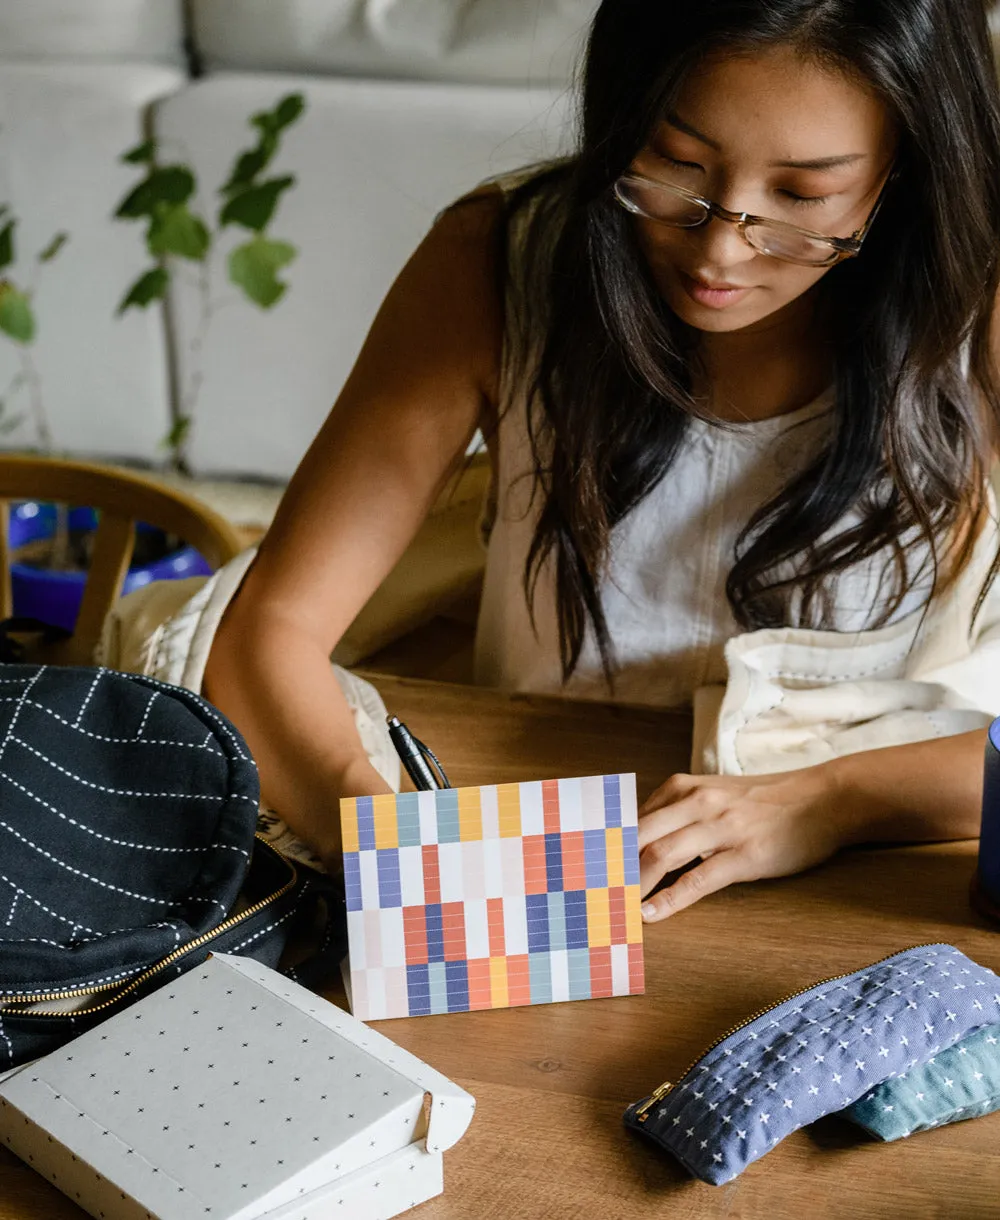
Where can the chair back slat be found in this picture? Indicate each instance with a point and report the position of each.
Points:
(122, 498)
(6, 594)
(113, 546)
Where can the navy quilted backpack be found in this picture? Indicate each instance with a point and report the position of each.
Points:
(128, 811)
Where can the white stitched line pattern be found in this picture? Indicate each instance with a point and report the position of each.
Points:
(120, 842)
(90, 693)
(10, 1048)
(13, 908)
(893, 659)
(44, 940)
(146, 741)
(224, 728)
(145, 715)
(263, 932)
(110, 978)
(207, 710)
(17, 711)
(78, 872)
(190, 796)
(82, 940)
(48, 910)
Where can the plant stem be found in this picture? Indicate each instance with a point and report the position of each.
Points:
(34, 386)
(196, 350)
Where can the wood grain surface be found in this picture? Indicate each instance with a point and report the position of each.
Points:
(552, 1081)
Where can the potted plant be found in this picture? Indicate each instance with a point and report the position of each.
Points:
(51, 544)
(175, 232)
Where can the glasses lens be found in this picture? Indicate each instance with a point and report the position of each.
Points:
(789, 245)
(660, 202)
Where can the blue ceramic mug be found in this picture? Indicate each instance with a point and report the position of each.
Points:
(986, 884)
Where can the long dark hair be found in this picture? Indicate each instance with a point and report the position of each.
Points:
(918, 405)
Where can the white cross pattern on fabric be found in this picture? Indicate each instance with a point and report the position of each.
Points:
(790, 1066)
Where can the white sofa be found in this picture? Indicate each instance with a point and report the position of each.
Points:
(409, 103)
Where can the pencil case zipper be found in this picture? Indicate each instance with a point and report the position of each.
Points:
(16, 1005)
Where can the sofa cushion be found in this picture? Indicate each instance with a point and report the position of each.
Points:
(103, 380)
(375, 160)
(535, 42)
(92, 29)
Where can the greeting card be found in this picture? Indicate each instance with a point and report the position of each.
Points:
(490, 897)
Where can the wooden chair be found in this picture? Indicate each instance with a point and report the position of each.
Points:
(122, 498)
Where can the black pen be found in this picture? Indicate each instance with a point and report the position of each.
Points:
(416, 757)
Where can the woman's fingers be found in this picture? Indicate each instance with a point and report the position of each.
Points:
(698, 804)
(666, 854)
(713, 874)
(671, 790)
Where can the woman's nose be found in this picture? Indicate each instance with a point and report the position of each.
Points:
(722, 245)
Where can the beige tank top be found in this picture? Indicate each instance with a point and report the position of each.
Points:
(663, 590)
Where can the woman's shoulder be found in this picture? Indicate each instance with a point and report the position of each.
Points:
(510, 207)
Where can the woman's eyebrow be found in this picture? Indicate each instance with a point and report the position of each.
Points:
(820, 163)
(675, 121)
(814, 163)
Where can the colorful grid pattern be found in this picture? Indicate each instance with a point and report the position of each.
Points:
(491, 897)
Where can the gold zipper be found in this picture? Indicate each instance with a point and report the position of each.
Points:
(661, 1091)
(12, 1005)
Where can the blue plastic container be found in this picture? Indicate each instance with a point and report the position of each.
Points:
(986, 885)
(54, 597)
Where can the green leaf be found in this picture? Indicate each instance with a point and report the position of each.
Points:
(16, 317)
(151, 286)
(7, 244)
(254, 207)
(249, 164)
(271, 122)
(289, 109)
(254, 267)
(53, 248)
(175, 230)
(178, 433)
(171, 184)
(144, 153)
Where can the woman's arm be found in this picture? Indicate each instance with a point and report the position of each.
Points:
(426, 374)
(745, 827)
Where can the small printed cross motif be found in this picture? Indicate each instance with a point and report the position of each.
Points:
(859, 1038)
(216, 1103)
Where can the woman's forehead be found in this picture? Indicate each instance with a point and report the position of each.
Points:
(780, 107)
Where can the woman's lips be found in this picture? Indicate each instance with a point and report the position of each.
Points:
(715, 296)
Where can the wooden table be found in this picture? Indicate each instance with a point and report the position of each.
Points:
(552, 1081)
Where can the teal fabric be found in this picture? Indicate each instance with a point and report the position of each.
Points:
(960, 1082)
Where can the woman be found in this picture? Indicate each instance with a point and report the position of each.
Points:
(752, 321)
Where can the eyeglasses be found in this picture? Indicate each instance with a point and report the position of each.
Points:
(680, 209)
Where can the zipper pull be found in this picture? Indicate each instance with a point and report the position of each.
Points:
(657, 1094)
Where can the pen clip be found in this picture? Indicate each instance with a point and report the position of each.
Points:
(432, 761)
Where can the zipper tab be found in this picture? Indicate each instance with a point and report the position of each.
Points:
(658, 1094)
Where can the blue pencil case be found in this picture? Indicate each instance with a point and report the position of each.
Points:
(814, 1054)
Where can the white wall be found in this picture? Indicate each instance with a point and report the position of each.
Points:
(62, 128)
(375, 161)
